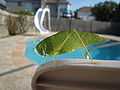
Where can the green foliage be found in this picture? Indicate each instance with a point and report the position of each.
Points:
(26, 13)
(75, 14)
(67, 41)
(105, 11)
(116, 14)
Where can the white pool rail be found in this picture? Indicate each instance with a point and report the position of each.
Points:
(39, 18)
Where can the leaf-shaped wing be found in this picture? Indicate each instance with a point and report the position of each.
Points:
(67, 41)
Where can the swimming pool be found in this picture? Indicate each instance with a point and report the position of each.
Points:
(105, 53)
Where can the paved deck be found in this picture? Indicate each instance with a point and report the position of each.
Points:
(15, 69)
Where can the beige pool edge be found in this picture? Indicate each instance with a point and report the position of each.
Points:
(108, 68)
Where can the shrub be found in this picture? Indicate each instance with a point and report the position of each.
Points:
(26, 13)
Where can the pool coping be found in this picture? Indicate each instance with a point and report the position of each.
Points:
(114, 64)
(18, 52)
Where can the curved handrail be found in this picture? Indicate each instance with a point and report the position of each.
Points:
(39, 18)
(36, 20)
(43, 16)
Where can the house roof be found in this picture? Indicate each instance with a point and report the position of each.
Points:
(84, 9)
(46, 1)
(3, 4)
(22, 0)
(57, 1)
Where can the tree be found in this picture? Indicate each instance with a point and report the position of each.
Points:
(117, 14)
(104, 11)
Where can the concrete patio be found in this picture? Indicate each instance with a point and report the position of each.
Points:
(13, 66)
(15, 69)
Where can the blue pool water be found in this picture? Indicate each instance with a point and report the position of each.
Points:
(106, 53)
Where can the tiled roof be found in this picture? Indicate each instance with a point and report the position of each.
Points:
(85, 9)
(23, 0)
(47, 1)
(3, 4)
(57, 1)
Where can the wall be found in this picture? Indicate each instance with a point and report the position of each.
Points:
(53, 9)
(27, 6)
(85, 26)
(35, 6)
(62, 6)
(65, 24)
(11, 4)
(3, 26)
(31, 7)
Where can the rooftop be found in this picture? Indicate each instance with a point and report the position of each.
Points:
(3, 4)
(57, 1)
(22, 0)
(86, 9)
(47, 1)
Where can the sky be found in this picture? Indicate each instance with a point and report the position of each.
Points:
(76, 4)
(2, 0)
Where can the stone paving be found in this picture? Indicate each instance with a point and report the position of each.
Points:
(11, 77)
(15, 69)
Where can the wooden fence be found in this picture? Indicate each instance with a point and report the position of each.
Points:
(85, 26)
(67, 24)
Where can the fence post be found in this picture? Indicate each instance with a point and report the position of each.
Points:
(69, 24)
(91, 27)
